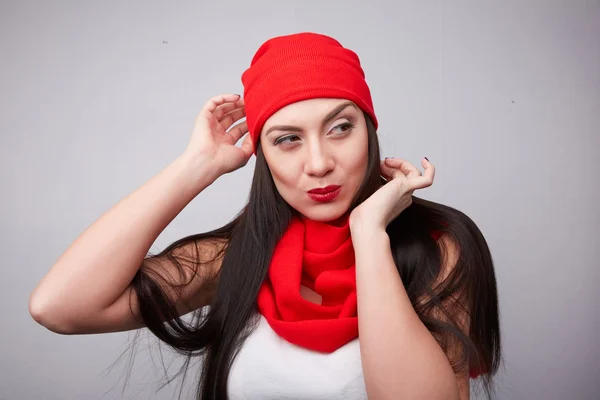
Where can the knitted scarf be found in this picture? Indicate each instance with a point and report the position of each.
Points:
(319, 256)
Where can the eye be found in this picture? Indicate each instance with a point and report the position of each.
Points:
(284, 139)
(344, 127)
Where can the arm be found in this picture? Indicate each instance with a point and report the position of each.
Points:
(401, 359)
(88, 289)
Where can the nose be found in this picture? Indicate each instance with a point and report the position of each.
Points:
(319, 160)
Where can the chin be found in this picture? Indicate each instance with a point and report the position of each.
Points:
(325, 212)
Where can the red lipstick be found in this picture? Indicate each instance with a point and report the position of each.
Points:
(326, 194)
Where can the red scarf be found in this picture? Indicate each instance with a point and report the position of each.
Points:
(319, 256)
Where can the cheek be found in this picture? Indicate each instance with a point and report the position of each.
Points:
(359, 169)
(280, 170)
(358, 154)
(285, 178)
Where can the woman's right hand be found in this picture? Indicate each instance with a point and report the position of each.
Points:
(210, 139)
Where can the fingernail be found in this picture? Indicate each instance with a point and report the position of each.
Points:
(427, 158)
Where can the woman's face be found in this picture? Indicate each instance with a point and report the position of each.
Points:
(313, 144)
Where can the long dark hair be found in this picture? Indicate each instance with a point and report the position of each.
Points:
(215, 333)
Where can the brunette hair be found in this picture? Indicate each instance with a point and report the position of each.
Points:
(215, 333)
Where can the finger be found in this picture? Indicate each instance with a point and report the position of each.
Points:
(212, 104)
(393, 172)
(426, 180)
(407, 168)
(232, 117)
(247, 146)
(224, 109)
(429, 169)
(386, 171)
(238, 131)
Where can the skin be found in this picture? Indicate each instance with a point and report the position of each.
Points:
(303, 152)
(317, 154)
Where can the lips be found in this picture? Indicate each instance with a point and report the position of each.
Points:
(327, 196)
(326, 189)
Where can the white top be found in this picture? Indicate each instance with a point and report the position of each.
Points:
(268, 367)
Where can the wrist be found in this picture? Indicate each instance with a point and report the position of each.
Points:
(364, 226)
(367, 244)
(200, 170)
(367, 233)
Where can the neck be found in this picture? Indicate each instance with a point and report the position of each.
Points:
(339, 221)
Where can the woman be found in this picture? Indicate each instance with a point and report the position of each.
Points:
(329, 234)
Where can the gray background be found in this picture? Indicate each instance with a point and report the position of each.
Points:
(503, 97)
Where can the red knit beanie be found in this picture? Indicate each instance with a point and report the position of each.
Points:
(291, 68)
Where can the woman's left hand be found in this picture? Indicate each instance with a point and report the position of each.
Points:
(383, 206)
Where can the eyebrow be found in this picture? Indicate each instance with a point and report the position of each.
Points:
(327, 118)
